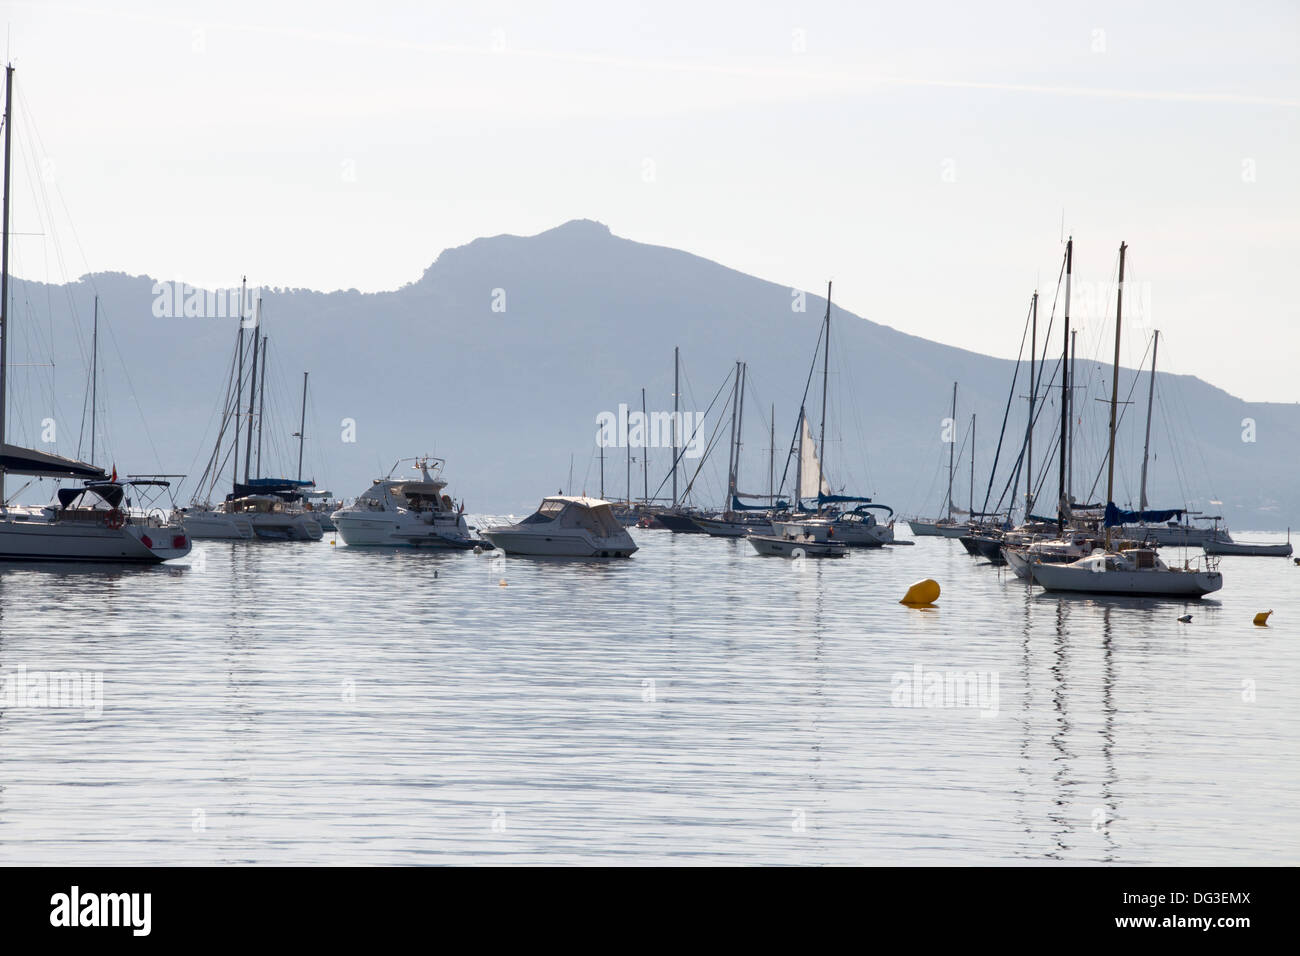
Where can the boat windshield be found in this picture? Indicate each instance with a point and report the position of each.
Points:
(549, 511)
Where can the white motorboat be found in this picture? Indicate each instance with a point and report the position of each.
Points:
(1137, 571)
(566, 526)
(797, 545)
(406, 513)
(857, 528)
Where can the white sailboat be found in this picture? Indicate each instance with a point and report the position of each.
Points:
(855, 527)
(1129, 571)
(101, 520)
(264, 509)
(406, 513)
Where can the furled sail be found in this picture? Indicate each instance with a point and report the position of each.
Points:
(1118, 516)
(27, 461)
(810, 465)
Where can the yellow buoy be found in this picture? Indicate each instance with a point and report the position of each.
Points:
(503, 582)
(922, 593)
(1261, 618)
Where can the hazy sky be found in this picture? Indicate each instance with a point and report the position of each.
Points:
(922, 155)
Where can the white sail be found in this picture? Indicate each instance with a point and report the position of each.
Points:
(810, 466)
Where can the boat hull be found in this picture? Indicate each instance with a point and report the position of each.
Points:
(732, 529)
(87, 541)
(361, 529)
(780, 547)
(1066, 577)
(218, 526)
(1251, 550)
(560, 545)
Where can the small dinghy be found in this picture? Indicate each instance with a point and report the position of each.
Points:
(797, 546)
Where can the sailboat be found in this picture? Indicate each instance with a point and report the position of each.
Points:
(267, 509)
(99, 521)
(1128, 571)
(940, 527)
(856, 526)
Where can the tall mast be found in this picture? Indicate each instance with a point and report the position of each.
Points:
(302, 424)
(629, 473)
(239, 378)
(1114, 387)
(972, 467)
(951, 445)
(676, 417)
(1063, 503)
(1069, 452)
(740, 430)
(261, 402)
(771, 463)
(1146, 447)
(821, 442)
(94, 378)
(602, 470)
(731, 445)
(645, 453)
(252, 386)
(1033, 393)
(798, 471)
(4, 269)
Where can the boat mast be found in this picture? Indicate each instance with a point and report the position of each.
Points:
(731, 445)
(629, 473)
(601, 445)
(821, 442)
(972, 467)
(239, 378)
(1069, 460)
(1033, 392)
(952, 443)
(252, 386)
(1063, 503)
(771, 463)
(798, 471)
(4, 269)
(302, 424)
(1146, 447)
(94, 378)
(261, 402)
(1114, 388)
(676, 419)
(740, 430)
(645, 453)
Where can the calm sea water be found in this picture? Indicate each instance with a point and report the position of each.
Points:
(309, 703)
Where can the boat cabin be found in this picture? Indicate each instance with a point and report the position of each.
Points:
(569, 511)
